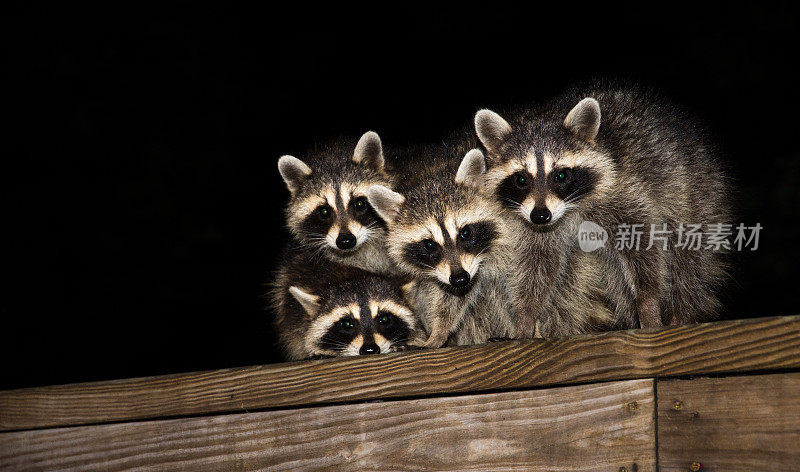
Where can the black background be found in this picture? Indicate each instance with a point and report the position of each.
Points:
(142, 208)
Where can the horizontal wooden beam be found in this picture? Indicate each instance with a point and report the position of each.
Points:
(732, 424)
(600, 427)
(723, 347)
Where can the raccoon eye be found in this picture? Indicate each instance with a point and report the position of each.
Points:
(520, 180)
(465, 233)
(429, 245)
(324, 212)
(347, 324)
(561, 176)
(384, 318)
(360, 204)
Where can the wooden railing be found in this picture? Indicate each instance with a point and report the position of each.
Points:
(620, 401)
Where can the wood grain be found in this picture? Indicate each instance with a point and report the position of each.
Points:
(730, 424)
(731, 346)
(586, 427)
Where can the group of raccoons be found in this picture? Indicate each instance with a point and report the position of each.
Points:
(476, 238)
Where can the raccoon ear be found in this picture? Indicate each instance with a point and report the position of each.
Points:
(309, 301)
(491, 129)
(471, 169)
(386, 202)
(294, 172)
(369, 150)
(584, 119)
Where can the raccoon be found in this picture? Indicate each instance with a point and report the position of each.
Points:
(328, 209)
(644, 162)
(326, 309)
(453, 242)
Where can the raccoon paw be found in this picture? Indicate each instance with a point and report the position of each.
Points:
(497, 340)
(399, 348)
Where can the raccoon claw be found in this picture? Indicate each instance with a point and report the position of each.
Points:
(412, 346)
(317, 357)
(409, 347)
(497, 340)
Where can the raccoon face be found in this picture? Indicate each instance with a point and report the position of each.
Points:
(449, 249)
(546, 172)
(446, 238)
(339, 217)
(329, 208)
(368, 326)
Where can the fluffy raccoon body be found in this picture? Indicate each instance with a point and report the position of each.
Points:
(326, 309)
(328, 210)
(644, 162)
(452, 240)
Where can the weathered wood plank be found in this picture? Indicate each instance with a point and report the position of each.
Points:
(730, 424)
(597, 427)
(731, 346)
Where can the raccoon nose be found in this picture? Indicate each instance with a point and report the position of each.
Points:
(346, 241)
(541, 216)
(459, 278)
(369, 348)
